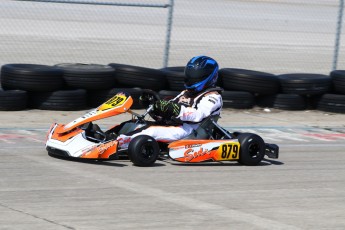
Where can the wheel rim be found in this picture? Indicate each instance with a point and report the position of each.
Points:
(147, 151)
(254, 150)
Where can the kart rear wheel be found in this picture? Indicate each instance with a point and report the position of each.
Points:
(252, 149)
(143, 150)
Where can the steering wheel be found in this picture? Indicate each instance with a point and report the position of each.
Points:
(150, 96)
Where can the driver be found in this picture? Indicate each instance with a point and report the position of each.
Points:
(200, 99)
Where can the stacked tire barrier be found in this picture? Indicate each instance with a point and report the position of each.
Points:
(76, 86)
(297, 91)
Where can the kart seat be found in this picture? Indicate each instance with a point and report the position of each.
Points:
(205, 130)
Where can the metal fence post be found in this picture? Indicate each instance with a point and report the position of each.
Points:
(168, 34)
(338, 33)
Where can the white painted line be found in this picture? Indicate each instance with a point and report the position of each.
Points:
(36, 140)
(286, 135)
(26, 132)
(267, 138)
(7, 141)
(319, 145)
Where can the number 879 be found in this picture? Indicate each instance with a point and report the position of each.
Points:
(230, 151)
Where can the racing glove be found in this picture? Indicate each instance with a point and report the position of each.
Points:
(166, 109)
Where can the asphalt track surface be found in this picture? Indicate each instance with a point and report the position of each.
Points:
(303, 189)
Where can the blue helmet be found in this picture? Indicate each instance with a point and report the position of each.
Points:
(200, 72)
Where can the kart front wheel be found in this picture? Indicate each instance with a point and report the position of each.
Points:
(252, 149)
(143, 150)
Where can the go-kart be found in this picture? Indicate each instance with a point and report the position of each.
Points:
(82, 138)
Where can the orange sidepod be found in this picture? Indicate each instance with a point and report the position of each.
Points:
(101, 151)
(203, 150)
(183, 143)
(109, 149)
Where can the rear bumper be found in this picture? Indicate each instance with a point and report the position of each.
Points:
(272, 151)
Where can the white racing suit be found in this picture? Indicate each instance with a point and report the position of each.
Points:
(194, 109)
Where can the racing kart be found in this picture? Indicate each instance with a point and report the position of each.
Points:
(82, 138)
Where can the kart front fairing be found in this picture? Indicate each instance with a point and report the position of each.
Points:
(73, 139)
(75, 144)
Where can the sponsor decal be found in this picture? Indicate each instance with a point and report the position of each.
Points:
(100, 149)
(89, 114)
(190, 154)
(187, 113)
(104, 147)
(87, 150)
(123, 141)
(212, 101)
(192, 146)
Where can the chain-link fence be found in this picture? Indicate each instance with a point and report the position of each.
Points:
(278, 36)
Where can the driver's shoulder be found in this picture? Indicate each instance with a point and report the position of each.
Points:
(212, 93)
(213, 97)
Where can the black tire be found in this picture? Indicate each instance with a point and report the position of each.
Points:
(238, 99)
(96, 98)
(283, 101)
(88, 76)
(142, 77)
(331, 103)
(175, 77)
(248, 80)
(174, 68)
(305, 84)
(338, 81)
(64, 100)
(31, 77)
(13, 100)
(252, 149)
(143, 150)
(168, 94)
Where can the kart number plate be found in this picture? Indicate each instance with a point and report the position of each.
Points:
(113, 102)
(229, 151)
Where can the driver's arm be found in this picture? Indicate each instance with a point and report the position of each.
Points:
(209, 104)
